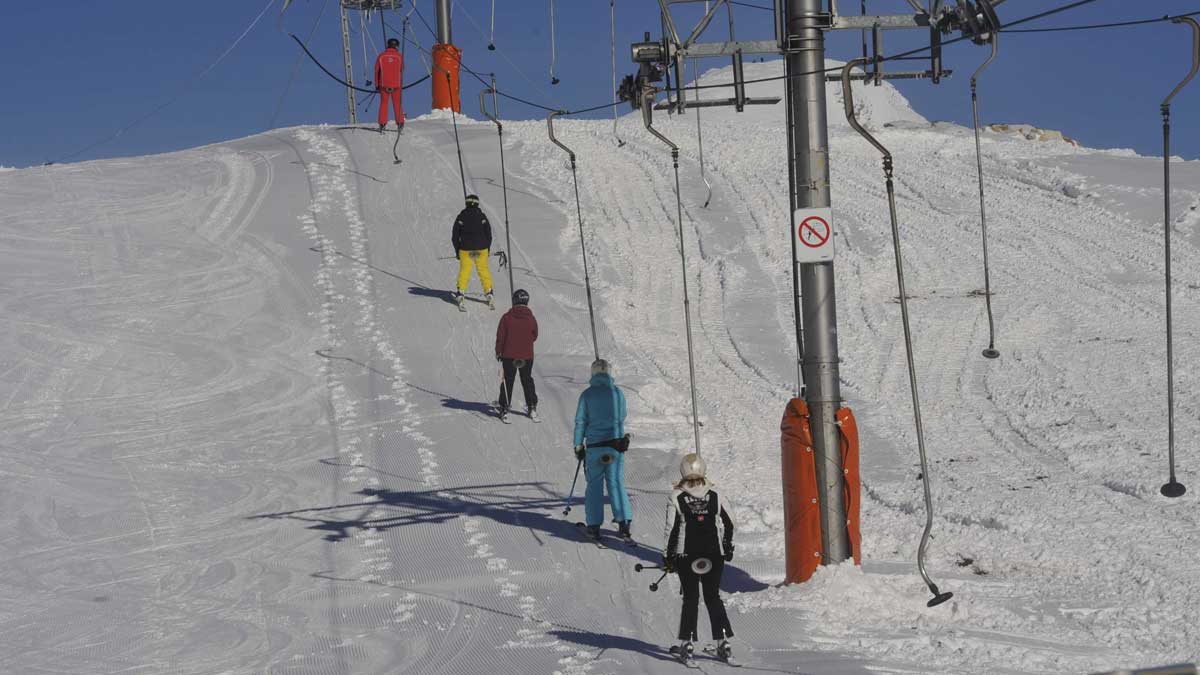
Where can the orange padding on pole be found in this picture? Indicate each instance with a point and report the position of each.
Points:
(446, 60)
(801, 510)
(850, 467)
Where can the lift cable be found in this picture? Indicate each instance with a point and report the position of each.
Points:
(503, 176)
(340, 80)
(462, 174)
(587, 280)
(647, 118)
(295, 64)
(1173, 488)
(492, 33)
(700, 137)
(848, 100)
(1094, 26)
(991, 352)
(553, 50)
(178, 94)
(512, 64)
(612, 40)
(791, 162)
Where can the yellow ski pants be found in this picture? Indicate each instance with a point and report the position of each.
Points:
(479, 261)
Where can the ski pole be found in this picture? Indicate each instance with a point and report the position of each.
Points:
(504, 392)
(654, 586)
(572, 493)
(639, 567)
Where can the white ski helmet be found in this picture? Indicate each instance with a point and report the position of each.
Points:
(600, 366)
(692, 466)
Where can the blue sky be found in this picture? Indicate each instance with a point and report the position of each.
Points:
(76, 73)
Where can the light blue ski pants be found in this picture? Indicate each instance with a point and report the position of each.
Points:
(598, 474)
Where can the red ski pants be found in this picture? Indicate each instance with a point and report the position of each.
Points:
(394, 96)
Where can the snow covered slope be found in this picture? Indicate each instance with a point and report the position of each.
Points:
(244, 430)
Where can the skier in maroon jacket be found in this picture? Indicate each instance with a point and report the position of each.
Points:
(389, 76)
(515, 335)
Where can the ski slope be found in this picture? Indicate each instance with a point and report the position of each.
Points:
(245, 430)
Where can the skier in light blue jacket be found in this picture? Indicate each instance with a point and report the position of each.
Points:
(600, 443)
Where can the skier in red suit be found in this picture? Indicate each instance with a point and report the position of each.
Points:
(389, 76)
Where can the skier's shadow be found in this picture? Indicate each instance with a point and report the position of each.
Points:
(533, 506)
(437, 293)
(447, 296)
(604, 641)
(515, 504)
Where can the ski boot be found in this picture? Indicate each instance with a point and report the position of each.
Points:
(533, 415)
(504, 416)
(490, 301)
(461, 301)
(382, 127)
(623, 528)
(683, 651)
(724, 650)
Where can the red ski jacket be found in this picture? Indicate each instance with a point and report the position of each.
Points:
(517, 332)
(389, 69)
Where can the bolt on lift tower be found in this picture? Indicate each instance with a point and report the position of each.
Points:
(800, 27)
(446, 60)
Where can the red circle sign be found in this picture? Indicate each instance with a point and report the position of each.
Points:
(814, 232)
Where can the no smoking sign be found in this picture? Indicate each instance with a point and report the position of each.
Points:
(814, 235)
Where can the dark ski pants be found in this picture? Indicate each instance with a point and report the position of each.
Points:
(711, 583)
(510, 374)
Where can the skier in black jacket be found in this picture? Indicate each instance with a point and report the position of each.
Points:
(699, 543)
(472, 239)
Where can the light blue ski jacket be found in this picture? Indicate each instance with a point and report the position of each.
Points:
(600, 415)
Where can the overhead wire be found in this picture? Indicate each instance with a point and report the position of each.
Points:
(179, 94)
(295, 64)
(1094, 26)
(883, 59)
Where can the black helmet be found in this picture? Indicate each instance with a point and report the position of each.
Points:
(521, 297)
(472, 200)
(393, 43)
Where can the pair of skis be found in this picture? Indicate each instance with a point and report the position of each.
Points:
(460, 299)
(533, 416)
(629, 541)
(711, 651)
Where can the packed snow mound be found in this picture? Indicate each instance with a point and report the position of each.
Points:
(875, 106)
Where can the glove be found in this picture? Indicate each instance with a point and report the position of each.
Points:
(668, 564)
(499, 358)
(728, 552)
(580, 452)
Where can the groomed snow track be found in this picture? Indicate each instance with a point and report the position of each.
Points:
(246, 430)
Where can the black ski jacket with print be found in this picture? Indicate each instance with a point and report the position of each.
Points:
(700, 523)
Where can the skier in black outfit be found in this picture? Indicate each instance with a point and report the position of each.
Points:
(699, 543)
(472, 239)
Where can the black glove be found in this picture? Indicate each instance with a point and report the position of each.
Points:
(668, 563)
(728, 552)
(580, 452)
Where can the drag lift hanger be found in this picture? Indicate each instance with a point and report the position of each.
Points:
(492, 35)
(587, 279)
(553, 51)
(1173, 488)
(848, 99)
(505, 260)
(646, 96)
(987, 22)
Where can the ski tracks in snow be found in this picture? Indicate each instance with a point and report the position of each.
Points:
(353, 325)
